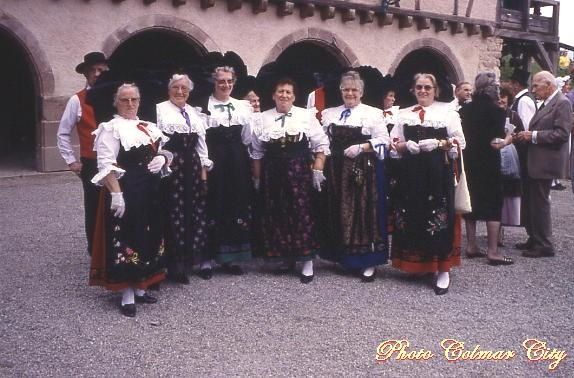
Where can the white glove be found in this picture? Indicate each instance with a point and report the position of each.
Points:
(318, 178)
(453, 152)
(118, 204)
(157, 163)
(256, 183)
(353, 151)
(413, 147)
(428, 145)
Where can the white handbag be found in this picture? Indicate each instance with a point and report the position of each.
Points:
(462, 203)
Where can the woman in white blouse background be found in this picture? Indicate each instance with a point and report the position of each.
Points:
(353, 221)
(185, 190)
(128, 244)
(286, 144)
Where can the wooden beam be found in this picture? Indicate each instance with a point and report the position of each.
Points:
(285, 8)
(417, 4)
(385, 19)
(307, 10)
(525, 14)
(327, 12)
(177, 3)
(207, 4)
(455, 10)
(233, 5)
(440, 25)
(456, 27)
(487, 30)
(149, 1)
(473, 29)
(547, 63)
(258, 6)
(422, 23)
(469, 8)
(348, 14)
(405, 22)
(367, 17)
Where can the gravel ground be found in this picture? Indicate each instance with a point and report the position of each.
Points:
(53, 324)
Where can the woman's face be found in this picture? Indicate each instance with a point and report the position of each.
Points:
(253, 101)
(179, 92)
(503, 102)
(389, 100)
(284, 96)
(351, 93)
(223, 85)
(424, 91)
(128, 103)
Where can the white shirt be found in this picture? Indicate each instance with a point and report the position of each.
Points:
(170, 120)
(239, 113)
(71, 116)
(122, 132)
(370, 119)
(437, 115)
(301, 122)
(526, 108)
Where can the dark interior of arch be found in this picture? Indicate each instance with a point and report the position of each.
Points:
(427, 61)
(307, 63)
(18, 103)
(149, 58)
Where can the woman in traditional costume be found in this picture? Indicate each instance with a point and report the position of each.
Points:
(185, 190)
(426, 236)
(128, 242)
(353, 221)
(288, 152)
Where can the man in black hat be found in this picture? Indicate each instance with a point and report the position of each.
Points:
(80, 115)
(524, 103)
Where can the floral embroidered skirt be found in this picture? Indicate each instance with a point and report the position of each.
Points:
(426, 235)
(353, 220)
(288, 224)
(229, 196)
(185, 197)
(128, 251)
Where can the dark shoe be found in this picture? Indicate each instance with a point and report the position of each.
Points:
(539, 252)
(128, 310)
(146, 298)
(558, 186)
(524, 246)
(178, 278)
(234, 270)
(307, 279)
(370, 278)
(504, 261)
(475, 255)
(206, 274)
(440, 290)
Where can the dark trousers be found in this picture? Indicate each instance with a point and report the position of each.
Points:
(538, 221)
(91, 197)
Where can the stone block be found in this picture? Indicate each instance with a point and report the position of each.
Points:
(53, 107)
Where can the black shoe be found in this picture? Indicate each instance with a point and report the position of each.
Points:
(539, 252)
(370, 278)
(178, 278)
(558, 186)
(146, 298)
(307, 279)
(128, 310)
(524, 246)
(234, 270)
(440, 290)
(504, 261)
(205, 273)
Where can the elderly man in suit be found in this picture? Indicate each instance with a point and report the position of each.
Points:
(547, 141)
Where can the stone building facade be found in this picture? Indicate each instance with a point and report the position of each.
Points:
(46, 39)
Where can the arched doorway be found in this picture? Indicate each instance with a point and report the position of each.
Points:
(307, 62)
(427, 60)
(18, 107)
(155, 54)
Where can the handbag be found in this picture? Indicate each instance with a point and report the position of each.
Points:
(462, 203)
(509, 163)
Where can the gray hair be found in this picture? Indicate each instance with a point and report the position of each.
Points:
(178, 77)
(432, 78)
(223, 69)
(486, 84)
(546, 77)
(121, 88)
(355, 78)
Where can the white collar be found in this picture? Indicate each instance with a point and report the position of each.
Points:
(550, 97)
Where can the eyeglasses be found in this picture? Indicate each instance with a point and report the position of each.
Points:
(230, 82)
(427, 87)
(127, 100)
(180, 88)
(350, 90)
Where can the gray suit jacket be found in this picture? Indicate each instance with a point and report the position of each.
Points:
(548, 158)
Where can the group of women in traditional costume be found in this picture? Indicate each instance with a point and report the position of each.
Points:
(320, 182)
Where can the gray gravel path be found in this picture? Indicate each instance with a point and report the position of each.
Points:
(53, 324)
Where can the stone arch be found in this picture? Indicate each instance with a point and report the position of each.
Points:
(161, 22)
(37, 58)
(322, 38)
(437, 47)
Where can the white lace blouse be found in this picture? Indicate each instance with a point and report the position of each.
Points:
(231, 112)
(171, 120)
(297, 122)
(368, 118)
(437, 115)
(122, 132)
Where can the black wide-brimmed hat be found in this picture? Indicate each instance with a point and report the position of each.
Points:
(520, 76)
(94, 57)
